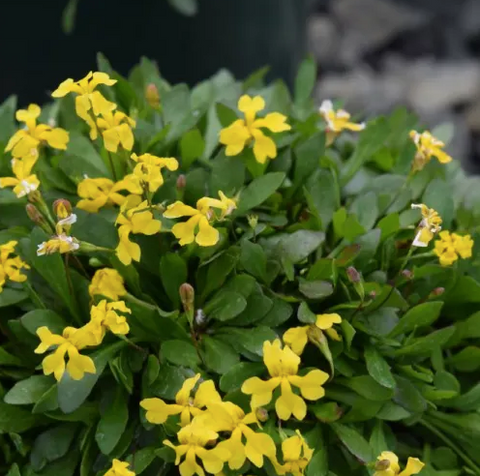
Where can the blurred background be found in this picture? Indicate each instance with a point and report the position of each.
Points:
(373, 54)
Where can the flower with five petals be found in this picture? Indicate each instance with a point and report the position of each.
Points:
(387, 465)
(282, 365)
(427, 146)
(450, 246)
(296, 456)
(243, 131)
(117, 130)
(107, 282)
(24, 181)
(149, 169)
(104, 316)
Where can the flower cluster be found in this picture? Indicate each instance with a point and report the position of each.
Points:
(450, 246)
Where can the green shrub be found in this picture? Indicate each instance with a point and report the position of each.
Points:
(168, 250)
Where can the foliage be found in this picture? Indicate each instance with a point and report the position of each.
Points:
(316, 241)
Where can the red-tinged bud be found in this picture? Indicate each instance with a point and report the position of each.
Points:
(437, 292)
(62, 208)
(261, 414)
(152, 95)
(187, 296)
(353, 275)
(34, 214)
(181, 182)
(406, 273)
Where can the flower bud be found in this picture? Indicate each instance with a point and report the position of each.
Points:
(353, 275)
(34, 214)
(187, 296)
(181, 182)
(437, 292)
(252, 221)
(152, 95)
(62, 208)
(35, 197)
(261, 414)
(406, 273)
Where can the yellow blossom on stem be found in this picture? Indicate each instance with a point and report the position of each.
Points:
(134, 218)
(282, 365)
(228, 417)
(117, 130)
(25, 142)
(24, 181)
(337, 121)
(193, 438)
(387, 465)
(198, 228)
(107, 282)
(244, 131)
(296, 456)
(429, 225)
(450, 246)
(97, 193)
(119, 468)
(149, 169)
(63, 210)
(427, 147)
(11, 267)
(87, 98)
(70, 342)
(298, 337)
(187, 406)
(104, 316)
(58, 244)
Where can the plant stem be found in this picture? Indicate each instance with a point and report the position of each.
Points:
(34, 295)
(112, 165)
(452, 445)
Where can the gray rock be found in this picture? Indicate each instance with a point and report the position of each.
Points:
(438, 86)
(469, 21)
(324, 40)
(369, 24)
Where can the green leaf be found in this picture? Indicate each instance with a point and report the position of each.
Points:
(169, 381)
(378, 368)
(305, 81)
(226, 305)
(9, 359)
(179, 352)
(365, 207)
(234, 378)
(253, 259)
(408, 396)
(68, 17)
(7, 119)
(389, 225)
(318, 465)
(72, 393)
(192, 147)
(308, 156)
(258, 305)
(469, 401)
(354, 442)
(467, 360)
(173, 273)
(28, 391)
(466, 290)
(251, 340)
(17, 420)
(113, 421)
(425, 345)
(142, 459)
(188, 8)
(259, 190)
(368, 388)
(219, 357)
(227, 174)
(279, 313)
(419, 316)
(52, 445)
(352, 228)
(299, 245)
(9, 297)
(305, 315)
(438, 195)
(378, 441)
(43, 317)
(14, 470)
(322, 194)
(315, 289)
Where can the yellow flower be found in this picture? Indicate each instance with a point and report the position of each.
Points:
(87, 98)
(24, 181)
(117, 130)
(428, 147)
(243, 131)
(387, 465)
(134, 218)
(66, 218)
(198, 228)
(429, 225)
(109, 283)
(104, 317)
(282, 365)
(158, 411)
(58, 244)
(228, 417)
(193, 438)
(11, 267)
(25, 142)
(70, 342)
(119, 468)
(337, 121)
(451, 245)
(100, 192)
(149, 169)
(296, 456)
(297, 337)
